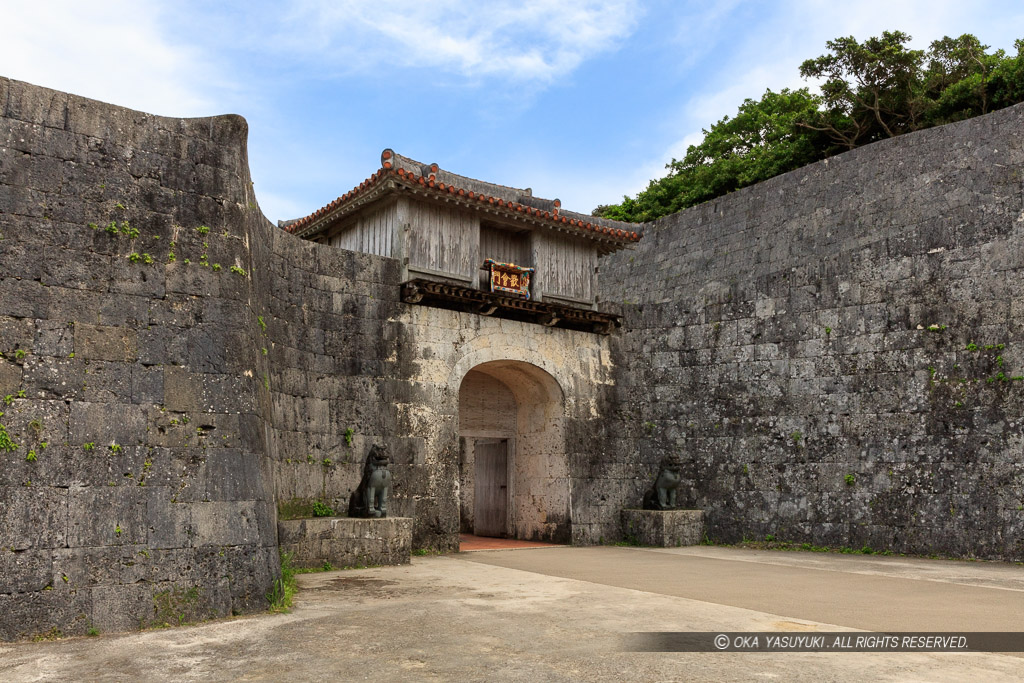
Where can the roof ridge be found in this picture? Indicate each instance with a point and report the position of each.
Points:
(523, 204)
(506, 192)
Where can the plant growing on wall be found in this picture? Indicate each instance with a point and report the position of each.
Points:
(5, 440)
(281, 593)
(323, 510)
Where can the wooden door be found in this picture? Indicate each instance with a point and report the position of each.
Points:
(490, 488)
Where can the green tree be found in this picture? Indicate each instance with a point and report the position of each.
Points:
(956, 81)
(1005, 83)
(871, 90)
(761, 141)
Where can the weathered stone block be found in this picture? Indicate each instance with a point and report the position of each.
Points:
(93, 566)
(25, 570)
(107, 516)
(123, 607)
(147, 385)
(52, 377)
(10, 378)
(44, 614)
(209, 393)
(76, 305)
(53, 339)
(105, 424)
(22, 298)
(33, 517)
(15, 334)
(233, 475)
(191, 278)
(169, 519)
(663, 528)
(101, 342)
(225, 523)
(76, 269)
(105, 382)
(347, 542)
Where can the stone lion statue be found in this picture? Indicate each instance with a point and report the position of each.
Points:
(370, 499)
(662, 494)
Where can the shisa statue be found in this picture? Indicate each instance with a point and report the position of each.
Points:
(370, 499)
(662, 494)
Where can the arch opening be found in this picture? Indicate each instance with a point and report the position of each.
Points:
(513, 471)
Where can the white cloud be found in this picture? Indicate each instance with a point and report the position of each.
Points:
(521, 40)
(115, 51)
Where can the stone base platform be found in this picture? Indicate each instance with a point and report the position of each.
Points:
(663, 528)
(346, 541)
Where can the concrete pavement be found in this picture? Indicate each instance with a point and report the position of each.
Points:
(863, 592)
(558, 614)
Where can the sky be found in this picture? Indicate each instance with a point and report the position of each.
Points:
(582, 101)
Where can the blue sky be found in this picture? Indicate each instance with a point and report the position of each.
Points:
(584, 101)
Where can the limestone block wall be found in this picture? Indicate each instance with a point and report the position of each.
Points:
(134, 484)
(838, 353)
(345, 542)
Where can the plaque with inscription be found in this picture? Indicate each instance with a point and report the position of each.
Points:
(508, 278)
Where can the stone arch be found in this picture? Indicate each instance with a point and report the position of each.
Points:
(517, 408)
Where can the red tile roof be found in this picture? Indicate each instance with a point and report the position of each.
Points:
(598, 229)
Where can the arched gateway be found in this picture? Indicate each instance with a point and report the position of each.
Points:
(498, 297)
(513, 473)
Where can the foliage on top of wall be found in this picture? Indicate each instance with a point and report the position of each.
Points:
(870, 91)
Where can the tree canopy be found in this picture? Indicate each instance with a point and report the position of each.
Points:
(869, 91)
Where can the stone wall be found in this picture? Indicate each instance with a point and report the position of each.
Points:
(343, 542)
(134, 484)
(838, 352)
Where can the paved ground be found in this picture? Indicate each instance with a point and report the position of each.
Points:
(558, 614)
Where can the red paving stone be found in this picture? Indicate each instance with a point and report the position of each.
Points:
(470, 543)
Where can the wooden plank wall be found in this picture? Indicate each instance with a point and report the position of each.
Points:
(566, 265)
(448, 242)
(371, 233)
(444, 239)
(504, 245)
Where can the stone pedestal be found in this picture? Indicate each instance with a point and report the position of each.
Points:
(663, 528)
(346, 541)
